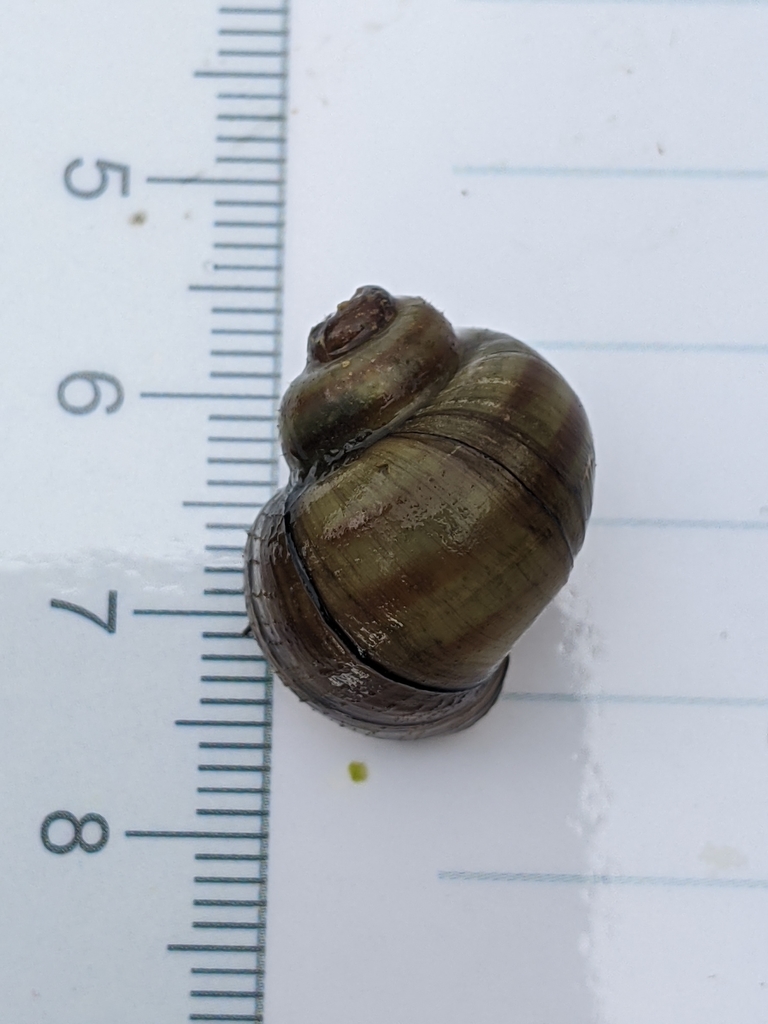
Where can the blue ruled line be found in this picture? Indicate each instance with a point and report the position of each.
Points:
(652, 346)
(689, 173)
(544, 878)
(629, 698)
(656, 3)
(679, 524)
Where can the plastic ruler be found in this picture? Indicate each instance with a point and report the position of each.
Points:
(144, 304)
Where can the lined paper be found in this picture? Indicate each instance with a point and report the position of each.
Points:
(590, 177)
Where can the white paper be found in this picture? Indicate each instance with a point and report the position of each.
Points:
(595, 849)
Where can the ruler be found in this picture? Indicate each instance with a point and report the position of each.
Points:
(140, 413)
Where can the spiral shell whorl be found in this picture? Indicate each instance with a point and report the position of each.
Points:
(318, 664)
(440, 490)
(354, 391)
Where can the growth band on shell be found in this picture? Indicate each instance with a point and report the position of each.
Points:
(441, 484)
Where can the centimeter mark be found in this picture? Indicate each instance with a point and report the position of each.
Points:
(263, 111)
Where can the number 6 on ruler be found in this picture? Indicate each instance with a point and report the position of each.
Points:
(91, 377)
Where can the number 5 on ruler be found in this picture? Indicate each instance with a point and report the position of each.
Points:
(110, 624)
(104, 167)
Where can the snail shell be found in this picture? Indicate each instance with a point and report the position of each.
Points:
(440, 488)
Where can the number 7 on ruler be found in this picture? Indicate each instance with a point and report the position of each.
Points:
(110, 623)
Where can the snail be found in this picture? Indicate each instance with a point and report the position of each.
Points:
(440, 487)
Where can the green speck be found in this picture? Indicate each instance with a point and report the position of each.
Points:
(358, 771)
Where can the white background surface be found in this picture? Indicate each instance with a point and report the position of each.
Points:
(594, 851)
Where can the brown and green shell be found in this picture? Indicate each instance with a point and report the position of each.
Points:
(441, 486)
